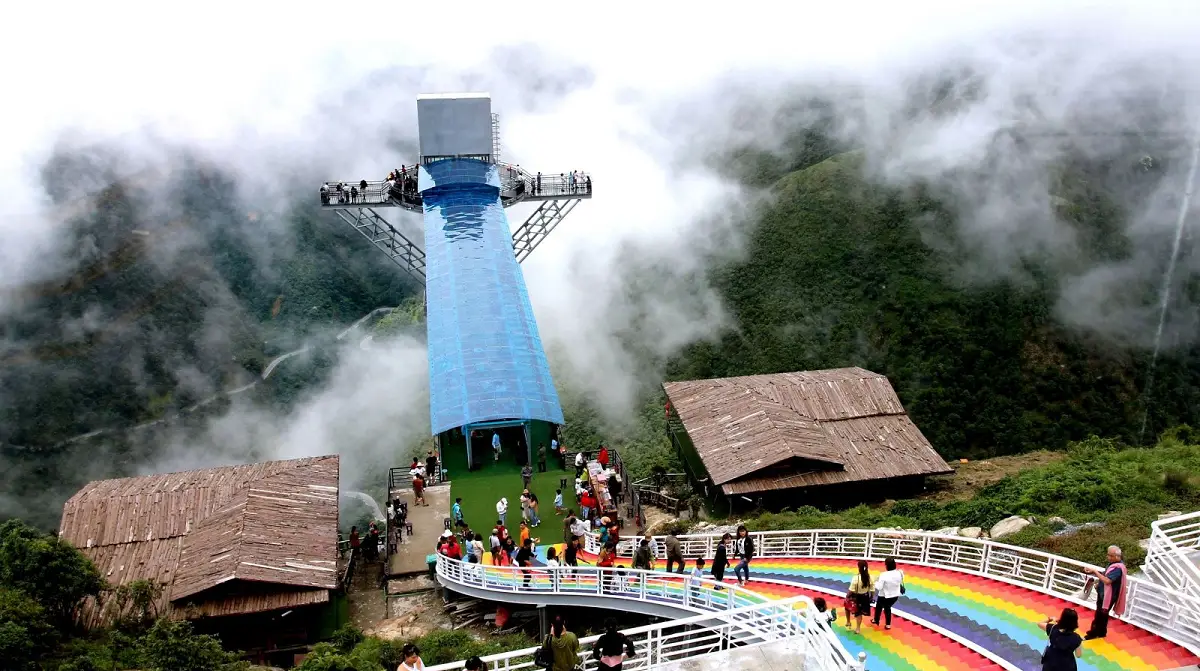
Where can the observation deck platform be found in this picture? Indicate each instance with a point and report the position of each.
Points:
(516, 186)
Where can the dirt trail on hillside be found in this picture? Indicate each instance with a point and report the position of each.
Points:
(972, 476)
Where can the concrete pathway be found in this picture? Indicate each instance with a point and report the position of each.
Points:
(428, 524)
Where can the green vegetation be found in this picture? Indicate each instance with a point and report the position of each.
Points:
(43, 582)
(351, 651)
(1100, 481)
(842, 272)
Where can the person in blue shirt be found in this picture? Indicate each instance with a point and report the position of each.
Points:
(456, 511)
(496, 445)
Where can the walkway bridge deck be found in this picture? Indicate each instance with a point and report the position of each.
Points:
(969, 604)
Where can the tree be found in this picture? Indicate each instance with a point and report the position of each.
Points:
(25, 633)
(47, 569)
(135, 603)
(171, 646)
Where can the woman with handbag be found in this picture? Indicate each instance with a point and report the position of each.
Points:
(859, 595)
(888, 589)
(564, 647)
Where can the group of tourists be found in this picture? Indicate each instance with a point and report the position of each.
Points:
(400, 183)
(1065, 644)
(574, 182)
(421, 473)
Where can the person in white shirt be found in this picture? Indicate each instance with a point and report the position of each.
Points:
(888, 588)
(825, 615)
(693, 583)
(412, 659)
(502, 511)
(579, 528)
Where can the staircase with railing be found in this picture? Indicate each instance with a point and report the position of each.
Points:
(1173, 557)
(708, 617)
(771, 629)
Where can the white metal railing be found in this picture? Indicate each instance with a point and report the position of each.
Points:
(1171, 559)
(729, 616)
(1162, 610)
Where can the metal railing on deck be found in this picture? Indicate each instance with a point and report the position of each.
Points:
(1173, 553)
(515, 184)
(733, 616)
(1162, 610)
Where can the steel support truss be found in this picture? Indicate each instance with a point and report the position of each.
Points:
(402, 251)
(544, 219)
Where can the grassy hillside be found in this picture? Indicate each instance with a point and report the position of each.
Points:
(1123, 488)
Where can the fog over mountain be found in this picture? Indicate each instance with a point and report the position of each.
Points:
(207, 260)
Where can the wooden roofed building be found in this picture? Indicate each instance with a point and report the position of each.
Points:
(828, 434)
(239, 549)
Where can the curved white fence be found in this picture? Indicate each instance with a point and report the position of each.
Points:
(1161, 610)
(734, 616)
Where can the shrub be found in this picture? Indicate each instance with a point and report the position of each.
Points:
(345, 638)
(1177, 481)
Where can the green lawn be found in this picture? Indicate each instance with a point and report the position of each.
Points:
(481, 489)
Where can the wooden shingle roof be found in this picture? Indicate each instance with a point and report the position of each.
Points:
(787, 430)
(272, 523)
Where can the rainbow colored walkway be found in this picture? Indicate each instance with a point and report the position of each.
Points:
(990, 615)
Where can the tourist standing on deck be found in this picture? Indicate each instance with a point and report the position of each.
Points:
(564, 647)
(674, 552)
(456, 512)
(612, 648)
(744, 551)
(525, 557)
(1110, 593)
(431, 467)
(888, 588)
(859, 596)
(1065, 645)
(535, 517)
(502, 511)
(720, 559)
(419, 490)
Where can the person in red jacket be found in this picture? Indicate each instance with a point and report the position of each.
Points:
(603, 456)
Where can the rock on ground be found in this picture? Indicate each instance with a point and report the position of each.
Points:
(1009, 526)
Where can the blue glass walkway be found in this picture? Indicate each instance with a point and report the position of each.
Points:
(486, 360)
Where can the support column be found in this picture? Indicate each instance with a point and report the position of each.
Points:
(466, 430)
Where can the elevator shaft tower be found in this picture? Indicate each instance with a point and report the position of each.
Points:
(487, 365)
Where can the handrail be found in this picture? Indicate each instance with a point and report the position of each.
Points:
(515, 184)
(1168, 613)
(1167, 560)
(674, 640)
(735, 608)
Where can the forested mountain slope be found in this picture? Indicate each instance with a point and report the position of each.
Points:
(171, 293)
(840, 271)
